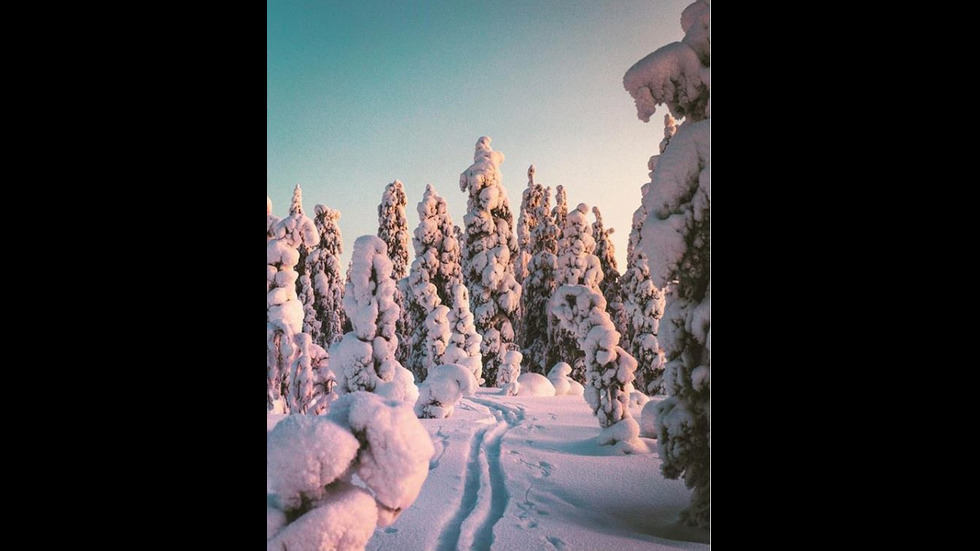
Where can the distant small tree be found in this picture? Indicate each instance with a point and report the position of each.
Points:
(610, 285)
(323, 268)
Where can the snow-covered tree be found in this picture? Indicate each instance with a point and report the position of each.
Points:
(676, 239)
(510, 369)
(323, 269)
(608, 368)
(435, 272)
(464, 342)
(539, 284)
(491, 250)
(610, 285)
(577, 265)
(311, 461)
(393, 227)
(284, 311)
(645, 308)
(271, 221)
(364, 359)
(531, 199)
(560, 212)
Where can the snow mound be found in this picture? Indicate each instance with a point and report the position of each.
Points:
(442, 390)
(534, 384)
(311, 461)
(648, 420)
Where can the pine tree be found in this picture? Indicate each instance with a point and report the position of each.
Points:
(364, 359)
(393, 227)
(610, 286)
(284, 312)
(323, 268)
(646, 307)
(577, 265)
(491, 250)
(435, 272)
(581, 310)
(676, 239)
(526, 221)
(539, 284)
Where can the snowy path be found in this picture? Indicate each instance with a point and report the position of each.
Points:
(521, 473)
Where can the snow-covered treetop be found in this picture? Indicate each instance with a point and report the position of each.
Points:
(678, 74)
(296, 207)
(326, 220)
(481, 180)
(268, 206)
(604, 245)
(368, 298)
(561, 207)
(530, 176)
(297, 229)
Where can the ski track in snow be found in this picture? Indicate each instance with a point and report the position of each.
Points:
(485, 495)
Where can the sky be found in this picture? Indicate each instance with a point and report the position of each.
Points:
(359, 94)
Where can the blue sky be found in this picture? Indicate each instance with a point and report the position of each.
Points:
(362, 93)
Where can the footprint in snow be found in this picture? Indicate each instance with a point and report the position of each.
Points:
(556, 542)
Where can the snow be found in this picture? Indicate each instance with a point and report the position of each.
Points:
(312, 461)
(528, 473)
(534, 384)
(442, 390)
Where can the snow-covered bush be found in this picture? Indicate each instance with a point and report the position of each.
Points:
(311, 461)
(442, 390)
(323, 269)
(510, 369)
(676, 239)
(648, 419)
(284, 311)
(539, 284)
(491, 250)
(563, 383)
(364, 358)
(608, 368)
(270, 220)
(534, 384)
(577, 265)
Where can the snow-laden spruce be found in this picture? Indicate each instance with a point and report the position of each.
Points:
(645, 307)
(323, 268)
(393, 227)
(539, 284)
(608, 368)
(644, 315)
(491, 250)
(676, 239)
(284, 311)
(393, 230)
(311, 462)
(577, 265)
(531, 200)
(610, 285)
(435, 274)
(442, 390)
(364, 359)
(271, 221)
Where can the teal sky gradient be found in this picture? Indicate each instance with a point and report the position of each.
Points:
(362, 93)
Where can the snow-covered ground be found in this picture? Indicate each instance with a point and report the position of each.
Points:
(525, 473)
